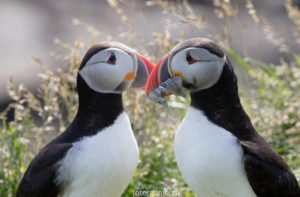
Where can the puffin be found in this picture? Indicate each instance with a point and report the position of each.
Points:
(218, 151)
(98, 154)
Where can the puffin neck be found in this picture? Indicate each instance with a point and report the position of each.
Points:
(221, 104)
(95, 112)
(101, 103)
(94, 102)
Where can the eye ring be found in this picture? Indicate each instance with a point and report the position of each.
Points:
(189, 58)
(112, 59)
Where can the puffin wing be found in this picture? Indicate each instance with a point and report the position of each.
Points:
(39, 179)
(267, 172)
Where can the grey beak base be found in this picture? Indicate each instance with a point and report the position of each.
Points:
(141, 75)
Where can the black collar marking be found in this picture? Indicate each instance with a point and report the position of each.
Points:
(95, 112)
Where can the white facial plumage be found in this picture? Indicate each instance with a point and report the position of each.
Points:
(105, 75)
(203, 70)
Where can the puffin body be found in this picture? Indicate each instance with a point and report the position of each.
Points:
(99, 174)
(217, 149)
(210, 158)
(97, 155)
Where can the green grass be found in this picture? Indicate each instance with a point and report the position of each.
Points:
(272, 101)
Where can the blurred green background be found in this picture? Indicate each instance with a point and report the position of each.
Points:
(42, 43)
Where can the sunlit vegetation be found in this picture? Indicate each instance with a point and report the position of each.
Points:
(272, 98)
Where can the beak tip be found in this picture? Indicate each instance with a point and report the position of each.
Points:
(151, 82)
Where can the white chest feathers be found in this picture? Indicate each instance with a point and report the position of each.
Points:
(210, 158)
(101, 165)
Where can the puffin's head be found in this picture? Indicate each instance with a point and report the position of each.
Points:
(113, 68)
(193, 65)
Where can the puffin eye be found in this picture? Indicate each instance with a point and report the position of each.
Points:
(189, 58)
(112, 59)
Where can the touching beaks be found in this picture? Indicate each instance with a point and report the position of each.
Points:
(162, 82)
(159, 74)
(144, 68)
